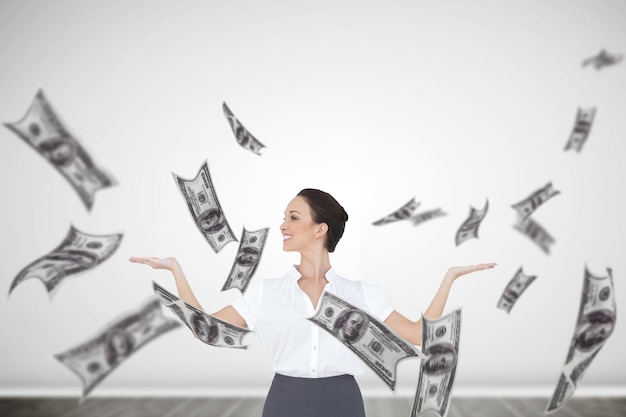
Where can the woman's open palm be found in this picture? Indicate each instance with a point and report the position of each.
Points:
(457, 271)
(168, 263)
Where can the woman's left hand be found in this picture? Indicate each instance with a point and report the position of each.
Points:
(457, 271)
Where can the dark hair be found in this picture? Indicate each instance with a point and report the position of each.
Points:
(325, 209)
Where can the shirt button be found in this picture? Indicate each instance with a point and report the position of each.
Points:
(314, 347)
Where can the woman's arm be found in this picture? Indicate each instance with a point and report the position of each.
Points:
(185, 292)
(412, 330)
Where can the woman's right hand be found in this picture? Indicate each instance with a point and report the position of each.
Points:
(169, 263)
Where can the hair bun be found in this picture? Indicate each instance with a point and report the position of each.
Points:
(344, 214)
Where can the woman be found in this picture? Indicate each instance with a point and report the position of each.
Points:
(313, 371)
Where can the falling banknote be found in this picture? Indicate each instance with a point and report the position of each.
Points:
(582, 127)
(426, 215)
(535, 232)
(206, 328)
(440, 344)
(403, 213)
(247, 259)
(372, 341)
(595, 323)
(603, 59)
(205, 209)
(244, 138)
(78, 252)
(96, 358)
(514, 289)
(42, 129)
(469, 228)
(531, 203)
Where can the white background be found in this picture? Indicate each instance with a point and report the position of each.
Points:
(375, 102)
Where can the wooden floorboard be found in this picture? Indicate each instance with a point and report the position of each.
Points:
(252, 406)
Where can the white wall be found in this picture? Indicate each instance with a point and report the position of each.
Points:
(376, 102)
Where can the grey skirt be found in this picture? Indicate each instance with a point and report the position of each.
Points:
(335, 396)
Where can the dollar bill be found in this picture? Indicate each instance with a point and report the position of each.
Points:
(248, 257)
(78, 252)
(96, 358)
(514, 289)
(371, 340)
(440, 344)
(594, 325)
(535, 232)
(603, 59)
(531, 203)
(44, 131)
(469, 228)
(403, 213)
(426, 215)
(582, 127)
(205, 327)
(205, 208)
(244, 138)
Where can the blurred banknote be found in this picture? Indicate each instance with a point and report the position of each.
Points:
(205, 209)
(403, 213)
(205, 327)
(595, 323)
(582, 127)
(440, 344)
(244, 138)
(42, 129)
(377, 345)
(535, 232)
(603, 59)
(469, 228)
(514, 289)
(78, 252)
(247, 259)
(426, 215)
(96, 358)
(531, 203)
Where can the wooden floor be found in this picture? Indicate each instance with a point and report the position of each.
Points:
(248, 407)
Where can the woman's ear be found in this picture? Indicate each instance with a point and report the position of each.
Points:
(321, 230)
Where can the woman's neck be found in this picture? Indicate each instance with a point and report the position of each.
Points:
(314, 265)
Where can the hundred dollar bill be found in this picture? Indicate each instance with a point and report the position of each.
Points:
(44, 131)
(440, 344)
(535, 232)
(582, 127)
(469, 228)
(514, 289)
(595, 323)
(244, 138)
(403, 213)
(205, 327)
(78, 252)
(531, 203)
(426, 215)
(603, 59)
(371, 340)
(96, 358)
(205, 209)
(247, 259)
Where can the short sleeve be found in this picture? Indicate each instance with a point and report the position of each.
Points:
(378, 301)
(249, 304)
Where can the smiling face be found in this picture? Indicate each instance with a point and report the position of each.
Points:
(299, 230)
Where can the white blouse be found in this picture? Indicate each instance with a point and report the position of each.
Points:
(277, 310)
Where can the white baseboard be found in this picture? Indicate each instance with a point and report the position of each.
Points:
(477, 391)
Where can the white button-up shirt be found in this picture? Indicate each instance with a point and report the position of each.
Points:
(277, 310)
